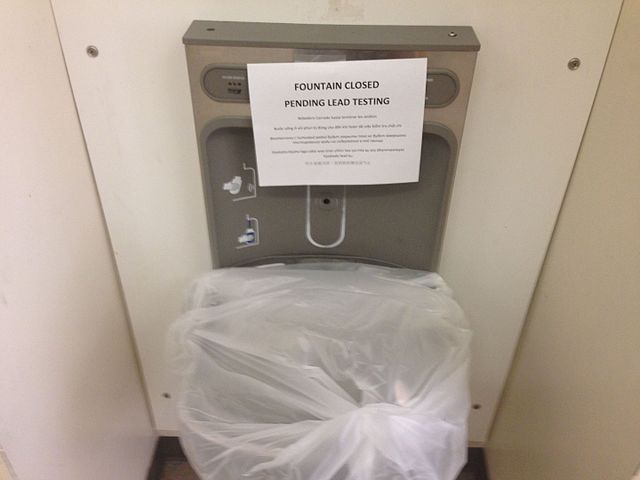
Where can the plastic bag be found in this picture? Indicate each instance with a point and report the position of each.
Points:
(333, 371)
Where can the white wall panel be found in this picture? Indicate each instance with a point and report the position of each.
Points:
(570, 408)
(525, 121)
(72, 404)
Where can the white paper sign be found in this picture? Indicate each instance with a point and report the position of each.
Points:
(338, 123)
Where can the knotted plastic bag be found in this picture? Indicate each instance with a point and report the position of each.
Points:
(333, 371)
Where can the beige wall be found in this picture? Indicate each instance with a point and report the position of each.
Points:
(572, 406)
(4, 469)
(71, 403)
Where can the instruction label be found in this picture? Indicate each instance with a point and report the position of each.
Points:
(338, 123)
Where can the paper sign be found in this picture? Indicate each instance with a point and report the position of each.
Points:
(338, 123)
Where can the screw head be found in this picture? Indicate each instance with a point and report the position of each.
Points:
(574, 63)
(453, 34)
(92, 51)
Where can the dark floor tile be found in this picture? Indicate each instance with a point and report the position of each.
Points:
(177, 470)
(174, 466)
(475, 469)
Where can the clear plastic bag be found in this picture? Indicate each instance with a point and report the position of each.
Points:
(332, 371)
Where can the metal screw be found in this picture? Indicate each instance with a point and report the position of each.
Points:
(453, 34)
(92, 51)
(574, 64)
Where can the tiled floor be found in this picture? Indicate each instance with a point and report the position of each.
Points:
(175, 467)
(177, 470)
